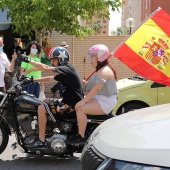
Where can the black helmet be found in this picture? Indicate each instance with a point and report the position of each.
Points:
(60, 53)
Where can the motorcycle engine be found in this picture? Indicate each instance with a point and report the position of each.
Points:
(58, 144)
(24, 121)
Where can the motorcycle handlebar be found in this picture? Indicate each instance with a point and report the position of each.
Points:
(19, 83)
(28, 81)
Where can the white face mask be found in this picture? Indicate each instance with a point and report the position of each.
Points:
(34, 51)
(1, 49)
(19, 52)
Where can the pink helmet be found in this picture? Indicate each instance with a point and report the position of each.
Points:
(100, 50)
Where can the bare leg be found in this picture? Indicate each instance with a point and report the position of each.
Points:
(42, 120)
(90, 108)
(82, 122)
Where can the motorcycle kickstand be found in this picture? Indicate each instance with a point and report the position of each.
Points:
(71, 154)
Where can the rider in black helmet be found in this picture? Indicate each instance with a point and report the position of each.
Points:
(67, 75)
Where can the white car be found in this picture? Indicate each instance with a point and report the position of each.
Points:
(139, 140)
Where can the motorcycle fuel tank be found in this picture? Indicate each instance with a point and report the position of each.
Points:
(27, 104)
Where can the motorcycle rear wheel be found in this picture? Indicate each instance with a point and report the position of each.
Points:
(4, 138)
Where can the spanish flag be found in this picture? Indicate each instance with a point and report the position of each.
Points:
(147, 50)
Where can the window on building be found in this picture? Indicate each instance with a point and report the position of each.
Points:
(146, 4)
(104, 26)
(104, 21)
(104, 32)
(99, 32)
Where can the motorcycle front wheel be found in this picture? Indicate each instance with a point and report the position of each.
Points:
(4, 137)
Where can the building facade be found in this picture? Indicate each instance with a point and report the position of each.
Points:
(131, 9)
(95, 23)
(149, 6)
(139, 10)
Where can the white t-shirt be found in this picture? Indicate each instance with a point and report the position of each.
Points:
(4, 64)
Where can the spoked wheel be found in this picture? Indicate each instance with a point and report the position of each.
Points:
(4, 138)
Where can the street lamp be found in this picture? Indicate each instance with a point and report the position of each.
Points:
(130, 22)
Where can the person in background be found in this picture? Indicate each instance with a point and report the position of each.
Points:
(18, 61)
(1, 44)
(102, 89)
(5, 64)
(64, 45)
(58, 86)
(28, 70)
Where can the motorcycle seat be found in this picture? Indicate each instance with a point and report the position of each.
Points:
(98, 117)
(102, 117)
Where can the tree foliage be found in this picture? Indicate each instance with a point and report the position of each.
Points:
(97, 26)
(59, 15)
(120, 31)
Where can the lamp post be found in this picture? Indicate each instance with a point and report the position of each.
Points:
(130, 22)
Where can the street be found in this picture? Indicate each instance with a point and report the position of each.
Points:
(15, 160)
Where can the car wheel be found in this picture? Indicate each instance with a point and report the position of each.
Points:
(130, 107)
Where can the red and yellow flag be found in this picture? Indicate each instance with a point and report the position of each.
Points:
(147, 50)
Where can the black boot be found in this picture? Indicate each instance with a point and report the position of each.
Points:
(37, 144)
(77, 139)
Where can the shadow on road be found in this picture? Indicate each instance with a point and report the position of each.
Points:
(40, 163)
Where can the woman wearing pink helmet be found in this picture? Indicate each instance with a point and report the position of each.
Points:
(102, 89)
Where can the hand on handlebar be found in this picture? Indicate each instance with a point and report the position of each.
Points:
(24, 58)
(28, 80)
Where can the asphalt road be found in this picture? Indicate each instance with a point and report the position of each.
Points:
(15, 160)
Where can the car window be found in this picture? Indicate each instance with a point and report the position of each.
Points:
(122, 165)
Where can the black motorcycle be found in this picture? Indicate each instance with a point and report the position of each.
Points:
(18, 113)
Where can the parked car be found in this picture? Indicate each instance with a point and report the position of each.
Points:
(139, 140)
(138, 92)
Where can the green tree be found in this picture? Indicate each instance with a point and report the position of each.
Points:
(97, 26)
(113, 32)
(120, 31)
(59, 15)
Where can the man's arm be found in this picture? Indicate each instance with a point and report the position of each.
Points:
(43, 67)
(47, 79)
(29, 71)
(14, 57)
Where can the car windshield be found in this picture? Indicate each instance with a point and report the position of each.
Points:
(138, 78)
